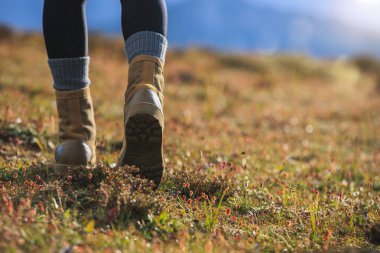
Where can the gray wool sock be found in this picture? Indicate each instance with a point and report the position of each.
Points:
(70, 73)
(146, 43)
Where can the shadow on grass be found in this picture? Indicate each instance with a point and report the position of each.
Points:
(109, 196)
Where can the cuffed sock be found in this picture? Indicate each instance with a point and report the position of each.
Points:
(70, 73)
(146, 43)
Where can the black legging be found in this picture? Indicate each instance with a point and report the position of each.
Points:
(65, 27)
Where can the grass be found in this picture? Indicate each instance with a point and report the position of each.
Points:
(264, 154)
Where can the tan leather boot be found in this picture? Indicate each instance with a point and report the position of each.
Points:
(77, 131)
(144, 118)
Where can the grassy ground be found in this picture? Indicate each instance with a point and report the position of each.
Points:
(263, 153)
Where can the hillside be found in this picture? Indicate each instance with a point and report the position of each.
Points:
(263, 153)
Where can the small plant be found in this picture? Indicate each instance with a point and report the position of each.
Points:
(313, 209)
(211, 211)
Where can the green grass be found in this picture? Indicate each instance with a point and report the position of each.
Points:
(263, 154)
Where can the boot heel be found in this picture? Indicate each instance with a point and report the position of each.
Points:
(147, 109)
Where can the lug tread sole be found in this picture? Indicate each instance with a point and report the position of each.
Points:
(143, 134)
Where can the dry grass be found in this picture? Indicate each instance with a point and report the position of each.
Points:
(264, 154)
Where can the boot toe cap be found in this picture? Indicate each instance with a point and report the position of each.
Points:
(73, 152)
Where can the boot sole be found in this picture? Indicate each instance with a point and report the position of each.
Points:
(64, 169)
(60, 169)
(143, 133)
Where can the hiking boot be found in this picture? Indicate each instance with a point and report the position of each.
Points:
(144, 118)
(76, 129)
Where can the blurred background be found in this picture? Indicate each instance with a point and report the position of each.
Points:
(324, 28)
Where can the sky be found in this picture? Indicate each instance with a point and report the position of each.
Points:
(361, 13)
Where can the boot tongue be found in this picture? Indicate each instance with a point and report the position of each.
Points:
(145, 72)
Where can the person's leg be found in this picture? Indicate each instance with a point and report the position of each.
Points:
(65, 29)
(143, 15)
(65, 33)
(144, 24)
